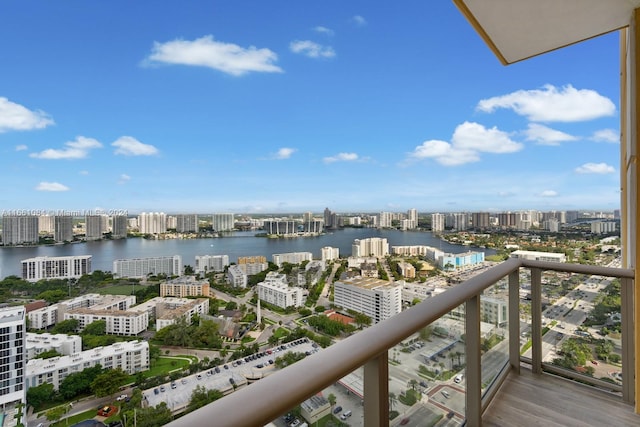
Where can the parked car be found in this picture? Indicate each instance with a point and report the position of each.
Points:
(337, 409)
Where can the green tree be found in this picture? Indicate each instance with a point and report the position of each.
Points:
(66, 326)
(108, 383)
(332, 400)
(201, 397)
(393, 400)
(97, 327)
(55, 414)
(425, 333)
(231, 305)
(39, 395)
(362, 320)
(153, 416)
(48, 354)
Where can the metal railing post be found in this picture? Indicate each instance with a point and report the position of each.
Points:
(376, 391)
(514, 321)
(628, 361)
(473, 370)
(536, 320)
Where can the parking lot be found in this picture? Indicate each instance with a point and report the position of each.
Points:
(226, 377)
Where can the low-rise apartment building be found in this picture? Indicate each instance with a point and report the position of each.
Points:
(142, 267)
(60, 343)
(540, 256)
(237, 277)
(130, 356)
(63, 267)
(185, 286)
(166, 310)
(291, 258)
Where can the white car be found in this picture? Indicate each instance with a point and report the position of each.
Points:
(121, 397)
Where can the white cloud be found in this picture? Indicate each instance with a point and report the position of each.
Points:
(468, 141)
(21, 147)
(129, 146)
(598, 168)
(124, 178)
(285, 153)
(342, 157)
(311, 49)
(51, 186)
(17, 117)
(544, 135)
(549, 193)
(77, 149)
(207, 52)
(551, 104)
(359, 20)
(323, 30)
(84, 172)
(606, 135)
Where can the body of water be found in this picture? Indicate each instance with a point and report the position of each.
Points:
(235, 245)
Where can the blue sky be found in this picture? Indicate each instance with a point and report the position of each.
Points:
(273, 106)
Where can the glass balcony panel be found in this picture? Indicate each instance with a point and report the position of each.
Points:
(494, 331)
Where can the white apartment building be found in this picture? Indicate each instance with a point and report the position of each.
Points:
(275, 290)
(130, 356)
(602, 227)
(328, 253)
(46, 317)
(539, 256)
(141, 267)
(437, 222)
(210, 263)
(13, 362)
(152, 222)
(357, 261)
(64, 267)
(222, 222)
(167, 311)
(237, 277)
(378, 299)
(415, 250)
(61, 343)
(19, 229)
(373, 246)
(185, 286)
(292, 258)
(386, 219)
(118, 322)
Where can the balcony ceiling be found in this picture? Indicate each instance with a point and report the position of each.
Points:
(519, 29)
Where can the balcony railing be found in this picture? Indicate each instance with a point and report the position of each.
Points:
(274, 395)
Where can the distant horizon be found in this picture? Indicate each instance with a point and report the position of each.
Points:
(76, 213)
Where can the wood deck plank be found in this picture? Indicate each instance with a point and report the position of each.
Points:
(550, 401)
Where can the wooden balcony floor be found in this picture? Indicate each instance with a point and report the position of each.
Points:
(547, 400)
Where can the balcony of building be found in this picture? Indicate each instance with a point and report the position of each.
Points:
(511, 383)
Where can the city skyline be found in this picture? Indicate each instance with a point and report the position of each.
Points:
(261, 109)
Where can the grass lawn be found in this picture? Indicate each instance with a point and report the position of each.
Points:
(166, 364)
(329, 421)
(86, 415)
(280, 333)
(117, 290)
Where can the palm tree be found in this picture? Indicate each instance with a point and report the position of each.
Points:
(393, 399)
(452, 356)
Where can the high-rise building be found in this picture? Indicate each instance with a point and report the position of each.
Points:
(412, 217)
(46, 224)
(437, 222)
(275, 290)
(373, 246)
(63, 231)
(119, 226)
(460, 221)
(280, 227)
(328, 218)
(329, 253)
(152, 223)
(480, 220)
(187, 223)
(19, 229)
(222, 222)
(386, 220)
(93, 227)
(13, 360)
